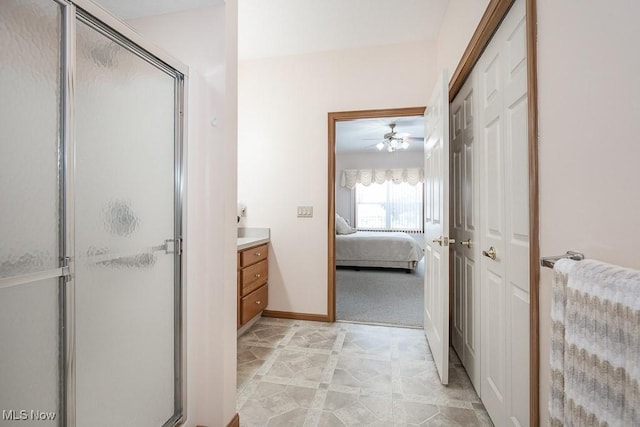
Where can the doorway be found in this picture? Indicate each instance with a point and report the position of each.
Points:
(380, 197)
(344, 202)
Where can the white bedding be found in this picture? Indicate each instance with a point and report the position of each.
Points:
(377, 249)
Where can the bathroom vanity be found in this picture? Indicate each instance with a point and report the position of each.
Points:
(253, 273)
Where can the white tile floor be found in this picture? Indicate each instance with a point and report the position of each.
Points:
(300, 373)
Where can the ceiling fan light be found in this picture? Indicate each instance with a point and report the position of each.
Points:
(380, 146)
(390, 148)
(404, 145)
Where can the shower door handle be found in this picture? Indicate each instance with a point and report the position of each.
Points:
(172, 246)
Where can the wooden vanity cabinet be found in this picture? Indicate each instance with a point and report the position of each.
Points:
(253, 272)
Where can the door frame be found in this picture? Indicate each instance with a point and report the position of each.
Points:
(491, 20)
(331, 217)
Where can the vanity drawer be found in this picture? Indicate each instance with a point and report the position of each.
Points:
(254, 303)
(253, 255)
(254, 276)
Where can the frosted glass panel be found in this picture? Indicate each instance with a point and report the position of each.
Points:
(30, 39)
(29, 356)
(124, 213)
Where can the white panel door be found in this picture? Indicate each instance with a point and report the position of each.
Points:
(464, 194)
(517, 240)
(492, 271)
(504, 235)
(436, 170)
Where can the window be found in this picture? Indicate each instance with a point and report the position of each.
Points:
(390, 207)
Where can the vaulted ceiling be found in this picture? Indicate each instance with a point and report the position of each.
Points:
(286, 27)
(268, 28)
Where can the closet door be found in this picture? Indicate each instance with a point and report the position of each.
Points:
(464, 195)
(504, 239)
(31, 214)
(127, 277)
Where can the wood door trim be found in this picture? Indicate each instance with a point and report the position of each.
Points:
(489, 23)
(493, 16)
(534, 211)
(235, 421)
(331, 218)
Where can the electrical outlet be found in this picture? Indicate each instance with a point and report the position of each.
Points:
(305, 211)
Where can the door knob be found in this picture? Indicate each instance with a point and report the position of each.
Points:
(466, 243)
(444, 241)
(491, 253)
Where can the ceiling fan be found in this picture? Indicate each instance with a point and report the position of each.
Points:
(393, 140)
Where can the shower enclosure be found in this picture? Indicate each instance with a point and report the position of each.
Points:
(91, 187)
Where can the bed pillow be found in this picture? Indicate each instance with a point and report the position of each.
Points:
(342, 227)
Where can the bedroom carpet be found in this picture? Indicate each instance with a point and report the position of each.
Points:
(387, 297)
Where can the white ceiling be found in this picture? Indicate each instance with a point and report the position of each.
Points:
(269, 28)
(362, 135)
(131, 9)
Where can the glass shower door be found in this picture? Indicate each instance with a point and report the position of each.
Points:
(31, 291)
(127, 266)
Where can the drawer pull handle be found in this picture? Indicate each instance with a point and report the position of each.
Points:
(258, 275)
(258, 254)
(258, 302)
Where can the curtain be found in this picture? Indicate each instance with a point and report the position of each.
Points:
(351, 177)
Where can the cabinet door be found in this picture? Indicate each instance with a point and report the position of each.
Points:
(254, 303)
(254, 276)
(253, 255)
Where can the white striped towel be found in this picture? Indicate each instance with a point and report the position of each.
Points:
(595, 345)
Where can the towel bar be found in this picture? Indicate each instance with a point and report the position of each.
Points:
(549, 261)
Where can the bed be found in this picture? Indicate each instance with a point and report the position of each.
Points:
(377, 249)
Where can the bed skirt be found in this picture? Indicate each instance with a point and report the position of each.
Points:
(407, 265)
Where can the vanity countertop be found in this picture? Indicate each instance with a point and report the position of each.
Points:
(251, 236)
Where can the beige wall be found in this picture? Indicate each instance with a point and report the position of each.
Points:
(282, 148)
(198, 38)
(588, 72)
(588, 92)
(459, 23)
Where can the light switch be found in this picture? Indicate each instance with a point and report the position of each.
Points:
(305, 211)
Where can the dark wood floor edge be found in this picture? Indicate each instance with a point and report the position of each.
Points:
(295, 316)
(235, 421)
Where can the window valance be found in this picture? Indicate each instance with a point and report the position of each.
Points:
(351, 177)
